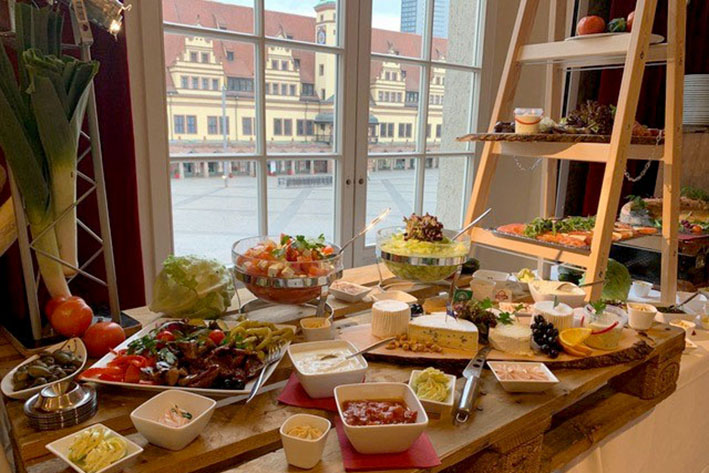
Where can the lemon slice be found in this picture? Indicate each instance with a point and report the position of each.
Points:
(574, 336)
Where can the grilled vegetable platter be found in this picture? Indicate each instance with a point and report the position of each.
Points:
(207, 357)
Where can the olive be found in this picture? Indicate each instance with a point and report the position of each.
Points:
(63, 357)
(39, 371)
(76, 362)
(20, 376)
(37, 363)
(39, 381)
(60, 373)
(20, 385)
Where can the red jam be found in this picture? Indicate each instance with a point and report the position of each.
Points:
(377, 412)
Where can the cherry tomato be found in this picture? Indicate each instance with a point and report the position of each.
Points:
(165, 336)
(132, 374)
(216, 336)
(72, 317)
(102, 336)
(591, 25)
(110, 371)
(629, 21)
(697, 229)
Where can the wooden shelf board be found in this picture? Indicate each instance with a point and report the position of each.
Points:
(603, 51)
(486, 237)
(590, 152)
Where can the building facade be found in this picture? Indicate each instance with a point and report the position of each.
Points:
(210, 93)
(412, 15)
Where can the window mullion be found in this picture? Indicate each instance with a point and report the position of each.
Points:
(260, 95)
(423, 106)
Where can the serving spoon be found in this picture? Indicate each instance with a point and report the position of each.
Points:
(368, 227)
(471, 224)
(363, 350)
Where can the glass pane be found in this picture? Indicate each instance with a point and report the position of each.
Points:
(449, 106)
(230, 15)
(393, 108)
(213, 205)
(301, 197)
(210, 95)
(444, 188)
(397, 27)
(300, 100)
(312, 21)
(455, 35)
(391, 182)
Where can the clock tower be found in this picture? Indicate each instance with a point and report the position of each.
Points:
(325, 63)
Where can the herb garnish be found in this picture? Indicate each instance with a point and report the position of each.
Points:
(505, 318)
(598, 307)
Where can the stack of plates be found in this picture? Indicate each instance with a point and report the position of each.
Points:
(696, 99)
(61, 405)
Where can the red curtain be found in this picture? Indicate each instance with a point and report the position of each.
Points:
(114, 110)
(651, 107)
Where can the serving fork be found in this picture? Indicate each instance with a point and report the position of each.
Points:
(275, 353)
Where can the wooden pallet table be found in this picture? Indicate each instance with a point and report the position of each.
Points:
(509, 433)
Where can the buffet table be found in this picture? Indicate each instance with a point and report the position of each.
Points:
(509, 433)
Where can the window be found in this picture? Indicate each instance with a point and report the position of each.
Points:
(386, 96)
(292, 89)
(284, 65)
(322, 94)
(412, 97)
(179, 123)
(191, 124)
(386, 130)
(438, 131)
(284, 89)
(321, 70)
(205, 57)
(387, 75)
(241, 85)
(381, 96)
(230, 55)
(304, 127)
(278, 126)
(274, 64)
(184, 82)
(398, 96)
(193, 57)
(288, 127)
(195, 82)
(428, 130)
(268, 88)
(247, 125)
(215, 84)
(296, 64)
(394, 76)
(205, 83)
(212, 126)
(274, 88)
(308, 89)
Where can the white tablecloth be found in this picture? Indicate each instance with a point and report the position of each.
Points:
(671, 438)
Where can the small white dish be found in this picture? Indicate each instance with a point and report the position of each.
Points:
(443, 408)
(666, 317)
(641, 316)
(482, 288)
(389, 438)
(322, 385)
(575, 297)
(304, 453)
(60, 448)
(348, 291)
(490, 275)
(523, 386)
(395, 295)
(685, 325)
(316, 329)
(74, 345)
(146, 417)
(641, 288)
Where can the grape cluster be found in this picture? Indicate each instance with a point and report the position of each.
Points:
(416, 309)
(546, 336)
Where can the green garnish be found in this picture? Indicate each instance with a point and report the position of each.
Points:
(598, 307)
(505, 318)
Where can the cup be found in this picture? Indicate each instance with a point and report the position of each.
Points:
(641, 316)
(641, 288)
(316, 329)
(482, 288)
(304, 452)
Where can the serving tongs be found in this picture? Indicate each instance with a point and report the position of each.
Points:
(471, 224)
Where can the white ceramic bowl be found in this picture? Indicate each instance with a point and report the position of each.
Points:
(641, 288)
(688, 327)
(641, 316)
(573, 300)
(75, 345)
(314, 334)
(392, 438)
(323, 384)
(357, 293)
(60, 448)
(523, 386)
(442, 408)
(145, 418)
(304, 453)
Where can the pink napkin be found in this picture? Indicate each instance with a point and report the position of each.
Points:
(294, 395)
(420, 455)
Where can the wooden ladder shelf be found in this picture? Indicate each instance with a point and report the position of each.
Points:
(634, 51)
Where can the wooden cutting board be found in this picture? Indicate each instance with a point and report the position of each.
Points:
(630, 348)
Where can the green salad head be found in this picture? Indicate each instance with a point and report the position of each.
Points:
(193, 287)
(617, 282)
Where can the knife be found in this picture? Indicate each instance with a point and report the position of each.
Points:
(472, 385)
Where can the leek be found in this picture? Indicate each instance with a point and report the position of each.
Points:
(59, 90)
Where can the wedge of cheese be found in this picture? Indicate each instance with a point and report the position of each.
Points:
(445, 331)
(390, 318)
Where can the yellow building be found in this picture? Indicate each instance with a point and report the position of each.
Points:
(211, 91)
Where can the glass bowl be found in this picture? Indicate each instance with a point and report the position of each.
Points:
(280, 281)
(421, 261)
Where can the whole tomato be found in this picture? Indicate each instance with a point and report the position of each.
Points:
(102, 337)
(629, 21)
(72, 317)
(591, 25)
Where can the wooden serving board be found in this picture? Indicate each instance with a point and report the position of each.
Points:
(630, 348)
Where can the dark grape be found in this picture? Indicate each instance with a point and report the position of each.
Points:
(416, 309)
(553, 353)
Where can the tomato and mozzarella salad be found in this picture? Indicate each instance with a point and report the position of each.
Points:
(291, 257)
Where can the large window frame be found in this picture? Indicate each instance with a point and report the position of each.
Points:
(144, 33)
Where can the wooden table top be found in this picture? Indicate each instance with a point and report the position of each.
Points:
(245, 437)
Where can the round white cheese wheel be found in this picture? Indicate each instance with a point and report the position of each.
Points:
(390, 318)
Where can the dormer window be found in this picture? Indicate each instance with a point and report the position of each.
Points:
(193, 57)
(230, 55)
